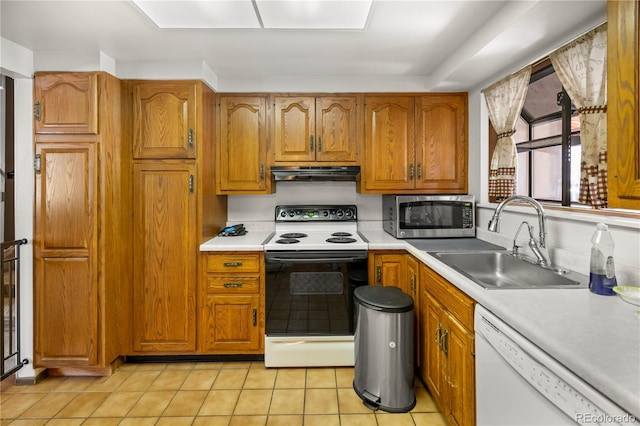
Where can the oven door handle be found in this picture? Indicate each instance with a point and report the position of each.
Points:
(311, 260)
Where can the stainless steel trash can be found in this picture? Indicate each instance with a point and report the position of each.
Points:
(384, 349)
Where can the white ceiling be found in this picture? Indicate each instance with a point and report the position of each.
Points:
(406, 45)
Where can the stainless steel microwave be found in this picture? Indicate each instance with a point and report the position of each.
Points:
(429, 216)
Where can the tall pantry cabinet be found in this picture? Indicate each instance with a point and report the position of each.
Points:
(81, 258)
(172, 155)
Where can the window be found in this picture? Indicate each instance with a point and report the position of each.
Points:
(548, 169)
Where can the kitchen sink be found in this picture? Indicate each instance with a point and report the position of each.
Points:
(503, 270)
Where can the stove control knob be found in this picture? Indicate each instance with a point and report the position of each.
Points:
(325, 213)
(291, 213)
(348, 214)
(339, 213)
(283, 214)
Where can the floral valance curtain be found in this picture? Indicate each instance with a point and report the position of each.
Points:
(504, 101)
(581, 67)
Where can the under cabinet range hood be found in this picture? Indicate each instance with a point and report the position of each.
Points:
(316, 173)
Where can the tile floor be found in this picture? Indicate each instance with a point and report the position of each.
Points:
(205, 393)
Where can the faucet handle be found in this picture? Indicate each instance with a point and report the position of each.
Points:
(516, 247)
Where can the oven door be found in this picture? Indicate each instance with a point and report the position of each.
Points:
(309, 307)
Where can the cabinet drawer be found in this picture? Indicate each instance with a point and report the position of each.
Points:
(231, 262)
(232, 284)
(455, 301)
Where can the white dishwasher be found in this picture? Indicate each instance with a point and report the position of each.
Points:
(517, 383)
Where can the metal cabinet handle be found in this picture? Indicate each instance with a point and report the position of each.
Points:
(232, 285)
(36, 110)
(379, 275)
(232, 264)
(444, 342)
(411, 171)
(255, 317)
(311, 143)
(37, 163)
(319, 143)
(261, 171)
(191, 139)
(419, 171)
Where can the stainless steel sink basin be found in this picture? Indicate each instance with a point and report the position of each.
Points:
(502, 270)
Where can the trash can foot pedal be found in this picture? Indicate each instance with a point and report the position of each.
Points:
(371, 401)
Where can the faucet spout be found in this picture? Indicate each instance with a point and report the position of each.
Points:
(494, 223)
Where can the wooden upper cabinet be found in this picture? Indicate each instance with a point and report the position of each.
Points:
(416, 144)
(389, 143)
(336, 129)
(441, 142)
(623, 109)
(66, 103)
(242, 145)
(309, 129)
(164, 120)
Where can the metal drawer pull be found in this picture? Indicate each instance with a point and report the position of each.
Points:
(232, 285)
(232, 264)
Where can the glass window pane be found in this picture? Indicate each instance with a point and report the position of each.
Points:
(576, 159)
(522, 172)
(546, 129)
(522, 130)
(547, 173)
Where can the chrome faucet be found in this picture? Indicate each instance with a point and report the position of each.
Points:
(539, 247)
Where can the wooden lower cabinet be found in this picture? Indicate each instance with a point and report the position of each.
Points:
(232, 319)
(165, 246)
(447, 358)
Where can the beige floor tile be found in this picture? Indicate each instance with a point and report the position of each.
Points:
(230, 379)
(260, 379)
(219, 403)
(151, 404)
(13, 407)
(358, 420)
(248, 421)
(424, 402)
(50, 405)
(49, 384)
(287, 401)
(212, 421)
(139, 380)
(321, 378)
(109, 383)
(102, 421)
(117, 404)
(253, 402)
(169, 380)
(76, 383)
(152, 366)
(350, 403)
(175, 421)
(344, 377)
(428, 419)
(185, 403)
(199, 380)
(180, 366)
(83, 405)
(245, 365)
(28, 422)
(394, 419)
(321, 401)
(291, 378)
(205, 365)
(295, 420)
(65, 421)
(138, 421)
(322, 420)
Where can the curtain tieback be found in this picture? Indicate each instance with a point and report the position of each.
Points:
(506, 134)
(592, 109)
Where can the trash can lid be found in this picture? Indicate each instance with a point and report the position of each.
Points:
(387, 299)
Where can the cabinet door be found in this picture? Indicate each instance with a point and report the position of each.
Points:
(242, 140)
(432, 363)
(389, 270)
(460, 371)
(294, 129)
(165, 253)
(389, 143)
(233, 324)
(623, 109)
(164, 120)
(336, 129)
(441, 143)
(66, 290)
(66, 103)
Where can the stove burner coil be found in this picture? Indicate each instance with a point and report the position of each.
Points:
(287, 241)
(293, 235)
(341, 234)
(341, 240)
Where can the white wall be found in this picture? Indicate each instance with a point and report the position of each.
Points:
(17, 62)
